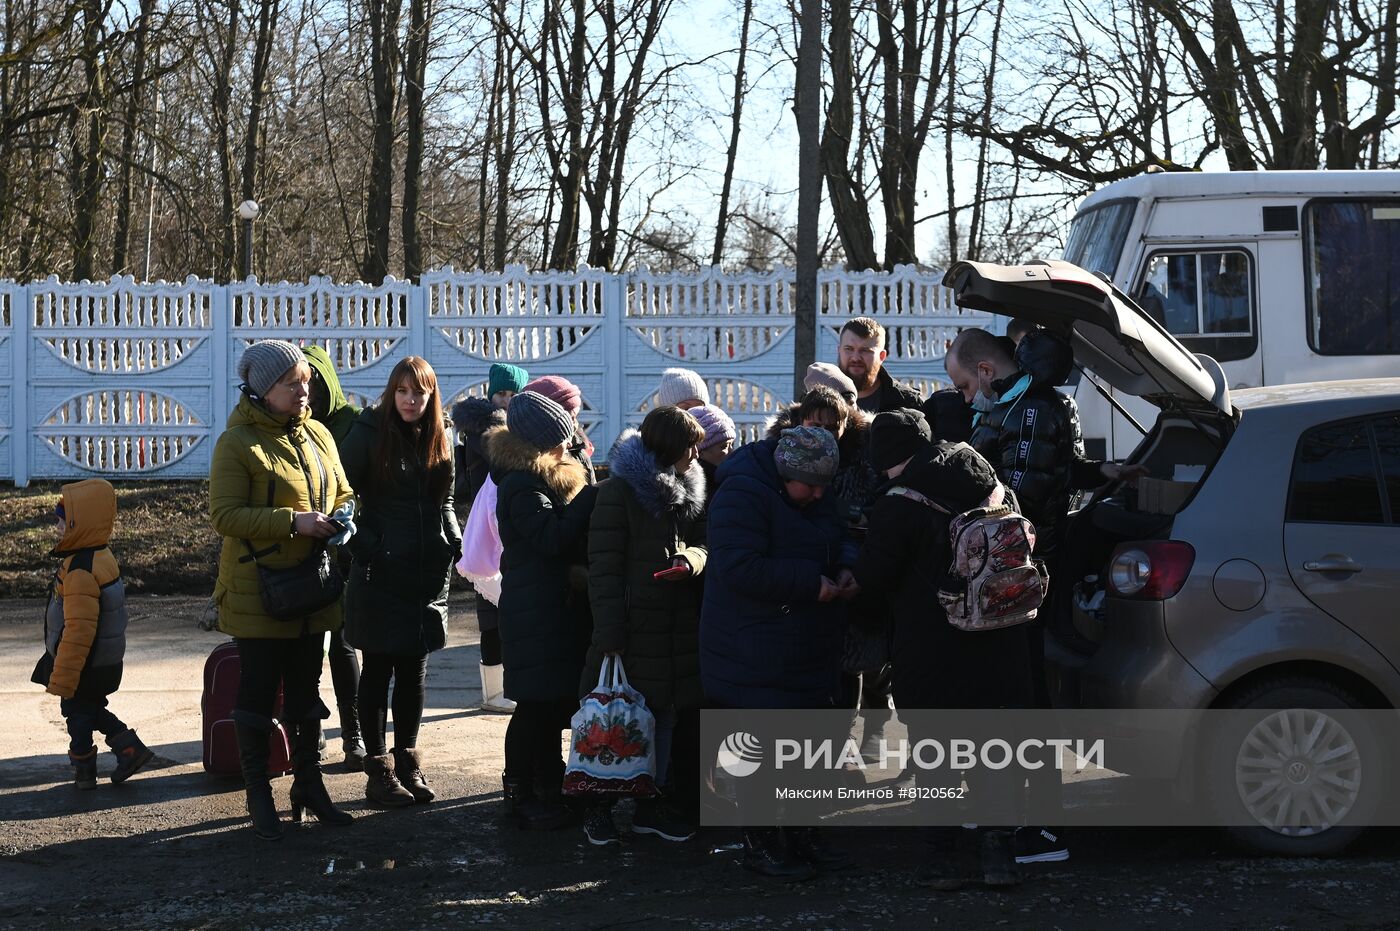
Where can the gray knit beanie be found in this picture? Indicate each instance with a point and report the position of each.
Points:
(538, 421)
(807, 454)
(824, 373)
(679, 385)
(264, 363)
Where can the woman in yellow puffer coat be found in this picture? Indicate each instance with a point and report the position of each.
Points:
(276, 490)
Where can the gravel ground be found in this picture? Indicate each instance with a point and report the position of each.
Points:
(170, 849)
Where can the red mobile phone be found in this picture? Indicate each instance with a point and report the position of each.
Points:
(668, 573)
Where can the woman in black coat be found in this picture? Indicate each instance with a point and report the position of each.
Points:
(543, 505)
(396, 601)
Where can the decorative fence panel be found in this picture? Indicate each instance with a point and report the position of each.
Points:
(129, 380)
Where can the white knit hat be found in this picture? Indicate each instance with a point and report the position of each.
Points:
(679, 385)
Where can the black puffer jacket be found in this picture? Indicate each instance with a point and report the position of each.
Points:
(644, 518)
(935, 664)
(1033, 439)
(472, 417)
(396, 597)
(542, 508)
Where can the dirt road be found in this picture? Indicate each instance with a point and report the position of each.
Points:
(170, 849)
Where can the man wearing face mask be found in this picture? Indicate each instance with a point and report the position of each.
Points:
(1023, 427)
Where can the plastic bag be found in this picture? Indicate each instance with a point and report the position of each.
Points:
(612, 740)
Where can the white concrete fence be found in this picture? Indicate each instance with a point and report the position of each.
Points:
(132, 380)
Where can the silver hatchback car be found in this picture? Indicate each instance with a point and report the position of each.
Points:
(1258, 569)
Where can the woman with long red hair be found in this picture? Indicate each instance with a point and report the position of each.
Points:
(396, 601)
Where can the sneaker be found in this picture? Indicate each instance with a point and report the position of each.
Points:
(598, 826)
(1040, 845)
(660, 819)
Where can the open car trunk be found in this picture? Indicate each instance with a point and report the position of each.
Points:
(1119, 343)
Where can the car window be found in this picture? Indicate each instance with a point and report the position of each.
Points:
(1353, 252)
(1387, 430)
(1334, 476)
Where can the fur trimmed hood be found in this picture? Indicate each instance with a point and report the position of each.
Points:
(852, 443)
(474, 416)
(657, 490)
(509, 453)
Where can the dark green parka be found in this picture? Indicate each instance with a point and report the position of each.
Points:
(396, 598)
(339, 415)
(542, 509)
(644, 518)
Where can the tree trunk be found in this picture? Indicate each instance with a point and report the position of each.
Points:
(223, 131)
(979, 191)
(732, 153)
(121, 236)
(572, 158)
(420, 25)
(848, 200)
(505, 164)
(384, 69)
(807, 93)
(268, 13)
(89, 140)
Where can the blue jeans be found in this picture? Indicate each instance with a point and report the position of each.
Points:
(84, 716)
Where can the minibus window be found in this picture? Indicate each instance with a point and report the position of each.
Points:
(1198, 294)
(1096, 236)
(1353, 256)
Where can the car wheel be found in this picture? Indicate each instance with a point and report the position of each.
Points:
(1293, 779)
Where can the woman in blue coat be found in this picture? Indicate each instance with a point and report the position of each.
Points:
(771, 629)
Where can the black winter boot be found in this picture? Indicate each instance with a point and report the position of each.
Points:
(515, 792)
(308, 788)
(408, 770)
(954, 859)
(131, 753)
(84, 769)
(350, 740)
(998, 860)
(812, 845)
(252, 755)
(766, 853)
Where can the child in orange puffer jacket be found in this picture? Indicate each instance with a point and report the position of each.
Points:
(85, 632)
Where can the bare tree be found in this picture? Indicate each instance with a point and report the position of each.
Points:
(420, 22)
(735, 123)
(383, 18)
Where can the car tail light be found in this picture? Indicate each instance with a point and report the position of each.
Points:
(1152, 571)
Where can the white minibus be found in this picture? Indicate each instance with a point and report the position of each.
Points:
(1280, 276)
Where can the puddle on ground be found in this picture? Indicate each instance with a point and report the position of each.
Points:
(346, 865)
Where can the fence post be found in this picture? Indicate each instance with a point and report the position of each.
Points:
(221, 335)
(614, 355)
(21, 428)
(417, 318)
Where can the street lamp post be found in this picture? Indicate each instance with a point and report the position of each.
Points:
(248, 212)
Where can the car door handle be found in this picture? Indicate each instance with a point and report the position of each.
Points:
(1332, 564)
